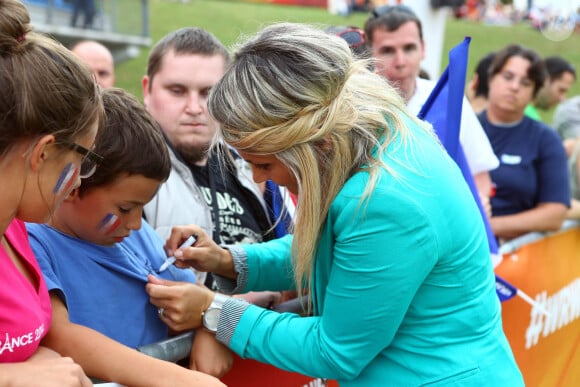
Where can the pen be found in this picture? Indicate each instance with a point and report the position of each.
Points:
(188, 242)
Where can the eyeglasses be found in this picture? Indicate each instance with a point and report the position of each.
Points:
(90, 159)
(353, 36)
(385, 9)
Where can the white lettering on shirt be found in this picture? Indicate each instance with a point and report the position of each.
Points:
(11, 343)
(511, 159)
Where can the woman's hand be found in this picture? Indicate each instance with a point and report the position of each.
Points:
(265, 299)
(485, 204)
(49, 371)
(181, 303)
(205, 255)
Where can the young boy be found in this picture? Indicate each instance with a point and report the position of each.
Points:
(96, 254)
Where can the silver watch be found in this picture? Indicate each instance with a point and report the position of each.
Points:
(210, 317)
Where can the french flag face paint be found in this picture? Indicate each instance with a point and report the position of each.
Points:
(109, 223)
(67, 178)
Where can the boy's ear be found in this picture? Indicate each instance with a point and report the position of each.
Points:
(474, 82)
(41, 151)
(72, 196)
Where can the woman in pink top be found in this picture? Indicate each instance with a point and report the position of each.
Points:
(50, 110)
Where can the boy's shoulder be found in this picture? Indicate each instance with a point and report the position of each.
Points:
(144, 238)
(38, 230)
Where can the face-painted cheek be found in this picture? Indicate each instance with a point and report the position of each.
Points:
(109, 224)
(66, 180)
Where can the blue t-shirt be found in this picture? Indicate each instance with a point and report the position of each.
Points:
(103, 287)
(533, 166)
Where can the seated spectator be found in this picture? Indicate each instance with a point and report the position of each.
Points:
(99, 59)
(478, 89)
(567, 124)
(567, 118)
(531, 183)
(96, 258)
(574, 173)
(561, 77)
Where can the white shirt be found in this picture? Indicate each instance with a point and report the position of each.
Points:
(476, 146)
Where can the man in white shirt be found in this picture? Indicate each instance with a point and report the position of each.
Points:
(394, 34)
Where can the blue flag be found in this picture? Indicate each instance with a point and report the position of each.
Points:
(443, 110)
(279, 216)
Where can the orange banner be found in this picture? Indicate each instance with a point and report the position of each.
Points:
(545, 337)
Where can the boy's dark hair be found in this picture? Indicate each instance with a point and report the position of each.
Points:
(482, 71)
(130, 142)
(536, 72)
(390, 18)
(557, 66)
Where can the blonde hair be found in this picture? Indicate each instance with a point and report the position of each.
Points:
(296, 92)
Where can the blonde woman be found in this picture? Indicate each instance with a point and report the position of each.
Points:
(388, 238)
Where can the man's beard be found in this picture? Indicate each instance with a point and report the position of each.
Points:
(193, 154)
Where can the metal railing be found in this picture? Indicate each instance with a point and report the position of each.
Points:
(122, 25)
(516, 243)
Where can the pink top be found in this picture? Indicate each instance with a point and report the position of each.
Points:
(25, 311)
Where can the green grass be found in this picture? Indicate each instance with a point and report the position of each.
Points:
(226, 19)
(229, 20)
(486, 38)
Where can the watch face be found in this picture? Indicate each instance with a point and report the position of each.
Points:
(210, 319)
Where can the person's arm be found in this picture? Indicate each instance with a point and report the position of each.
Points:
(477, 148)
(44, 371)
(209, 355)
(484, 189)
(106, 359)
(552, 193)
(544, 217)
(574, 210)
(569, 145)
(483, 183)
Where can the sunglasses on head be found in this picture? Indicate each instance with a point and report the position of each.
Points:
(353, 36)
(386, 9)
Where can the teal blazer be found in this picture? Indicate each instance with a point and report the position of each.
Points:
(403, 286)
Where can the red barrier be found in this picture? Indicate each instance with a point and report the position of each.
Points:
(250, 373)
(305, 3)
